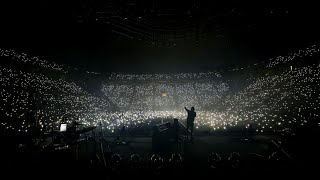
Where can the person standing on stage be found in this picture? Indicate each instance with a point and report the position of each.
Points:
(190, 121)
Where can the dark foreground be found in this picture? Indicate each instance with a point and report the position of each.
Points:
(210, 156)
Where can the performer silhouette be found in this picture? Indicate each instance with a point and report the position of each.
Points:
(190, 121)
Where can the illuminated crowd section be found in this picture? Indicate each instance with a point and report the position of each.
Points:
(284, 94)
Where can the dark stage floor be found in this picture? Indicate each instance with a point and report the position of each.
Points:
(254, 156)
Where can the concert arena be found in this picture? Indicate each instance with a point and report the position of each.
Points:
(139, 89)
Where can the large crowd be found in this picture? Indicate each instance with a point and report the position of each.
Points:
(288, 96)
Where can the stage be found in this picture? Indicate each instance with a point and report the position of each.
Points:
(199, 149)
(254, 156)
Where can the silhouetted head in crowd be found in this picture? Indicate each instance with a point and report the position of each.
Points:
(214, 160)
(234, 159)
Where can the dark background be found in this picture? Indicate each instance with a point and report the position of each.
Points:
(236, 33)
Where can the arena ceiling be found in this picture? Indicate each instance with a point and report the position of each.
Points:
(158, 35)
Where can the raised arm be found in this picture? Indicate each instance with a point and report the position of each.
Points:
(186, 109)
